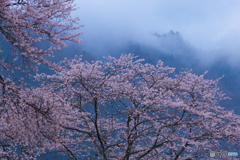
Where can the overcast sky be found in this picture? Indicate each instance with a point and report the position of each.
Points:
(205, 24)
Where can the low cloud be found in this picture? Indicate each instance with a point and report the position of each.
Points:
(208, 27)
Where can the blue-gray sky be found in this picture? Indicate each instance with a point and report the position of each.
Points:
(205, 24)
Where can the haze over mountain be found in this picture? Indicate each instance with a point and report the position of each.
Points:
(211, 26)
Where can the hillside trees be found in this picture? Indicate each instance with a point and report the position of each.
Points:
(112, 109)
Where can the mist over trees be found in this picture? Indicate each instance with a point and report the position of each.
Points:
(112, 108)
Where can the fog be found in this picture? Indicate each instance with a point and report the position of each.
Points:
(211, 27)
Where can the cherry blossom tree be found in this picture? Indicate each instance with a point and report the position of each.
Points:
(139, 111)
(29, 117)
